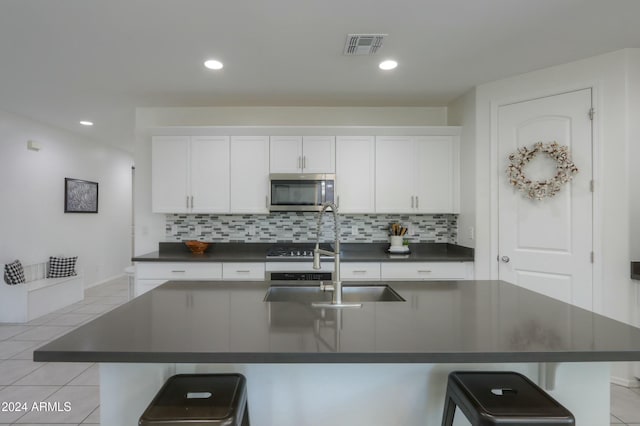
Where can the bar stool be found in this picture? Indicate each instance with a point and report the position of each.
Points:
(199, 400)
(501, 398)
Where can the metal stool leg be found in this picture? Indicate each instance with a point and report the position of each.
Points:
(449, 411)
(245, 417)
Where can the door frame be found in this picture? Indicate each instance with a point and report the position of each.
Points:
(496, 174)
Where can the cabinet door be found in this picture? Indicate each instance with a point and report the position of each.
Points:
(360, 271)
(424, 271)
(169, 174)
(285, 154)
(355, 174)
(436, 174)
(179, 270)
(249, 177)
(394, 174)
(319, 154)
(210, 174)
(243, 271)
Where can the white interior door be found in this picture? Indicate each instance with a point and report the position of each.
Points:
(546, 245)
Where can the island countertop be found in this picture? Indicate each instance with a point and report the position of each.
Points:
(440, 322)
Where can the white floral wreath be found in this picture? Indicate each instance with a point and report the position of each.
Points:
(565, 169)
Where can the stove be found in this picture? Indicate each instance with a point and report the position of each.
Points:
(294, 262)
(295, 250)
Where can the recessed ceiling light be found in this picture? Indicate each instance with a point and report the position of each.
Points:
(212, 64)
(86, 123)
(388, 65)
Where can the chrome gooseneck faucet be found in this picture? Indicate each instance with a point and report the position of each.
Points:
(336, 300)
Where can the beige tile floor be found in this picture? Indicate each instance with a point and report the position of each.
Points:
(30, 382)
(23, 380)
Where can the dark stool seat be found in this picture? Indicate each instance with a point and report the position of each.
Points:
(199, 400)
(501, 398)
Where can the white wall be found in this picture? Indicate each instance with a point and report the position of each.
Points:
(291, 116)
(633, 118)
(615, 78)
(33, 224)
(251, 120)
(461, 112)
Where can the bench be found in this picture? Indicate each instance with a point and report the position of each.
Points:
(38, 296)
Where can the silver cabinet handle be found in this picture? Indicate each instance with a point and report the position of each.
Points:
(338, 201)
(412, 201)
(424, 271)
(304, 162)
(192, 201)
(299, 162)
(505, 259)
(187, 201)
(242, 271)
(417, 200)
(360, 271)
(178, 270)
(266, 201)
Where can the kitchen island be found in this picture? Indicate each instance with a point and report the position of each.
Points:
(384, 363)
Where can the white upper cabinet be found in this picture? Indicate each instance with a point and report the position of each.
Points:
(394, 174)
(210, 174)
(319, 154)
(417, 174)
(298, 154)
(437, 174)
(249, 174)
(190, 174)
(285, 154)
(170, 174)
(374, 174)
(355, 174)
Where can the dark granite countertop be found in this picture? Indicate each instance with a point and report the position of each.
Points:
(440, 322)
(635, 270)
(350, 252)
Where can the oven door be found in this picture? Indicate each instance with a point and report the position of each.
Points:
(292, 192)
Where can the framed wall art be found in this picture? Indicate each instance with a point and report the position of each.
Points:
(80, 196)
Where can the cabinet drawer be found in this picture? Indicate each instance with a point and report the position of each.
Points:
(417, 271)
(179, 270)
(368, 271)
(243, 271)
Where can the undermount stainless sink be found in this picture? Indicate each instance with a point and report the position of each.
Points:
(350, 294)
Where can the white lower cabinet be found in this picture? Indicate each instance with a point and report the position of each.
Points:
(360, 271)
(242, 271)
(179, 270)
(423, 271)
(150, 275)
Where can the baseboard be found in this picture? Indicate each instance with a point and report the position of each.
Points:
(626, 382)
(106, 280)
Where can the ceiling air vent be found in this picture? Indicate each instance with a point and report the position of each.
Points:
(363, 44)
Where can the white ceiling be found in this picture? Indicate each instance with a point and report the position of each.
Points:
(66, 60)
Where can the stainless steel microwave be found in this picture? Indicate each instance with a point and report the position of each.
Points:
(301, 192)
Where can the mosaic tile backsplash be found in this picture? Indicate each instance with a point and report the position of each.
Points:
(302, 227)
